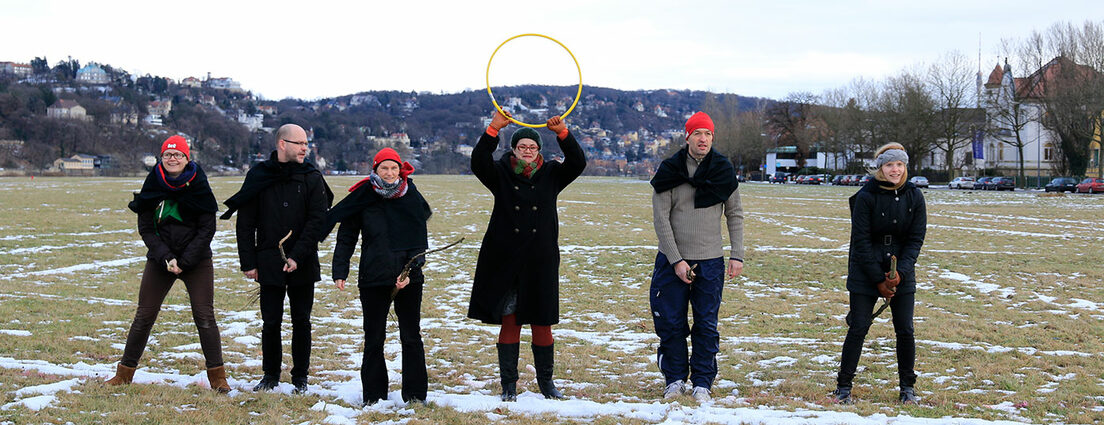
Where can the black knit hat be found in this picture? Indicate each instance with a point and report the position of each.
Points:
(525, 133)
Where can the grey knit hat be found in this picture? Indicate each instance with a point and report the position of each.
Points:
(891, 155)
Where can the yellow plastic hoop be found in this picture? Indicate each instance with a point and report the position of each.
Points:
(578, 93)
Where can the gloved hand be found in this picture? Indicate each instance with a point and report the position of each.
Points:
(885, 290)
(499, 121)
(556, 124)
(892, 283)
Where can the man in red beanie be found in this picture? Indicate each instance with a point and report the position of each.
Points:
(693, 188)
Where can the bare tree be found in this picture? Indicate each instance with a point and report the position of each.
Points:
(739, 133)
(952, 86)
(1008, 111)
(791, 122)
(1069, 84)
(839, 132)
(905, 111)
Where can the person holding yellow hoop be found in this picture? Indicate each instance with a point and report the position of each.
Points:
(517, 274)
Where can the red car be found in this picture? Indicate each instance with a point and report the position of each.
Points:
(1091, 185)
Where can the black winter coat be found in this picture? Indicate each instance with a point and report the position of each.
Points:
(392, 231)
(297, 203)
(885, 222)
(521, 247)
(188, 242)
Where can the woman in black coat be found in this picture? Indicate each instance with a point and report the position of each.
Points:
(518, 271)
(888, 219)
(389, 215)
(176, 218)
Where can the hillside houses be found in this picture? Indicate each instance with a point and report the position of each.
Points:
(67, 109)
(92, 74)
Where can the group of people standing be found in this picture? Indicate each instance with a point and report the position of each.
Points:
(284, 211)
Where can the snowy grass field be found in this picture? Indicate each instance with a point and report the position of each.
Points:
(1009, 316)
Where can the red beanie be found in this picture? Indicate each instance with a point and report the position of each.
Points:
(176, 142)
(696, 121)
(388, 154)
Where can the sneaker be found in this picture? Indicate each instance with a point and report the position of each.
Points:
(908, 396)
(674, 390)
(267, 383)
(842, 395)
(300, 386)
(701, 394)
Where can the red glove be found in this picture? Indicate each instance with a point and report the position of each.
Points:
(888, 287)
(499, 121)
(885, 290)
(557, 126)
(892, 283)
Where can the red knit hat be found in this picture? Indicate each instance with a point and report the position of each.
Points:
(179, 143)
(696, 121)
(388, 154)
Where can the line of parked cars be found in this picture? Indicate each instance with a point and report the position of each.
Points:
(983, 183)
(1060, 184)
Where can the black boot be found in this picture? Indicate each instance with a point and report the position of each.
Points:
(908, 396)
(268, 383)
(544, 361)
(507, 370)
(842, 395)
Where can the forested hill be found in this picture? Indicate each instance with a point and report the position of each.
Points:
(128, 116)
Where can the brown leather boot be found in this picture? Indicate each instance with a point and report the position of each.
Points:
(217, 376)
(123, 375)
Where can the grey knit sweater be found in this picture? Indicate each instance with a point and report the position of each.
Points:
(690, 233)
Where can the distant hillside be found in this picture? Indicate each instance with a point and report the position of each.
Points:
(229, 127)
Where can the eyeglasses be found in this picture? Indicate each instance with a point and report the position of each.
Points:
(172, 155)
(295, 143)
(527, 148)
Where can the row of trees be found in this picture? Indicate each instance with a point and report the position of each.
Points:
(936, 108)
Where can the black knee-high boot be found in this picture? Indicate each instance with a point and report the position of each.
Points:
(507, 370)
(544, 361)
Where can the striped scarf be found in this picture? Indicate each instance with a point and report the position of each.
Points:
(388, 190)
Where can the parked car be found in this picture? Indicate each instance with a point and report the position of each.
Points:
(838, 180)
(859, 179)
(818, 179)
(864, 179)
(779, 177)
(961, 183)
(919, 181)
(1002, 183)
(982, 183)
(1091, 185)
(1062, 184)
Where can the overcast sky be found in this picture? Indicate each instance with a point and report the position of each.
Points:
(319, 48)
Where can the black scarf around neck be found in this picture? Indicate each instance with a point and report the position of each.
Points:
(265, 174)
(714, 180)
(191, 190)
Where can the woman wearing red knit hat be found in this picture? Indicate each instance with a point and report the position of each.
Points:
(176, 219)
(389, 215)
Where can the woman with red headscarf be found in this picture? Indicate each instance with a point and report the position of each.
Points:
(389, 215)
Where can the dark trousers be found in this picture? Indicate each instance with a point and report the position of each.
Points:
(669, 299)
(862, 315)
(156, 283)
(301, 299)
(375, 302)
